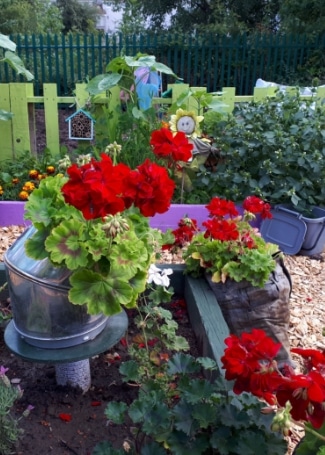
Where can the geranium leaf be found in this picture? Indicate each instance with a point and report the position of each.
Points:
(101, 294)
(182, 363)
(116, 411)
(35, 246)
(65, 243)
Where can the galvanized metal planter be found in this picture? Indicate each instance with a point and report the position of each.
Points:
(42, 313)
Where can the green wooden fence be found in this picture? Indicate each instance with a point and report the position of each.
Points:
(20, 134)
(206, 60)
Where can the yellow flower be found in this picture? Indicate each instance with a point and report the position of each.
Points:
(33, 174)
(29, 186)
(23, 195)
(187, 122)
(50, 169)
(1, 190)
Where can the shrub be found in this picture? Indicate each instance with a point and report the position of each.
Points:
(274, 149)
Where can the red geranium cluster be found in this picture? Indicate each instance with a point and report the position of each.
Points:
(100, 188)
(171, 147)
(187, 227)
(224, 216)
(250, 361)
(255, 205)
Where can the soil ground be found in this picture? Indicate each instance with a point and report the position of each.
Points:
(45, 430)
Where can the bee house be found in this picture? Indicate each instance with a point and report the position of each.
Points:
(81, 126)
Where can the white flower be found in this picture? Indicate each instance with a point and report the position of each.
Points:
(159, 276)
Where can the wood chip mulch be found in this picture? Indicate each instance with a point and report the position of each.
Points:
(307, 301)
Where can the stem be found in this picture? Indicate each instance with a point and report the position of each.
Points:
(182, 185)
(310, 430)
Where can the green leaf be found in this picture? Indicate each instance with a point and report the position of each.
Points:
(66, 244)
(17, 64)
(102, 82)
(106, 448)
(180, 444)
(152, 448)
(35, 245)
(205, 414)
(6, 43)
(101, 293)
(184, 421)
(130, 371)
(115, 411)
(197, 390)
(182, 363)
(207, 363)
(5, 115)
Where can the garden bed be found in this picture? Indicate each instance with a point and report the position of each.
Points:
(306, 330)
(47, 431)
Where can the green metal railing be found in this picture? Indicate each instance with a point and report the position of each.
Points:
(207, 60)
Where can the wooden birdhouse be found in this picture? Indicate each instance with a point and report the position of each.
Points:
(81, 126)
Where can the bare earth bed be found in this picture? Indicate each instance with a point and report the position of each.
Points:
(44, 427)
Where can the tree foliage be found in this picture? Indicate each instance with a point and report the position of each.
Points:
(29, 16)
(77, 17)
(303, 16)
(223, 16)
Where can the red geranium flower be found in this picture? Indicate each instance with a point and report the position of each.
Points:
(150, 188)
(187, 227)
(223, 230)
(255, 205)
(96, 187)
(221, 208)
(306, 394)
(167, 145)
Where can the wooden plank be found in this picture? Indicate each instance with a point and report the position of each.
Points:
(81, 97)
(228, 97)
(20, 122)
(260, 93)
(320, 96)
(6, 150)
(206, 319)
(51, 118)
(31, 120)
(177, 90)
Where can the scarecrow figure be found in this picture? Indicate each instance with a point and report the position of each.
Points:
(189, 123)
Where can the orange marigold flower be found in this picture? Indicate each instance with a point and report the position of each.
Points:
(23, 195)
(1, 190)
(50, 169)
(29, 186)
(33, 174)
(15, 180)
(41, 176)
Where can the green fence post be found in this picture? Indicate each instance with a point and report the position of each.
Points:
(6, 150)
(20, 120)
(320, 96)
(260, 93)
(51, 118)
(228, 98)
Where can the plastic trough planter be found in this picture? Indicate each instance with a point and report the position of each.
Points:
(295, 233)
